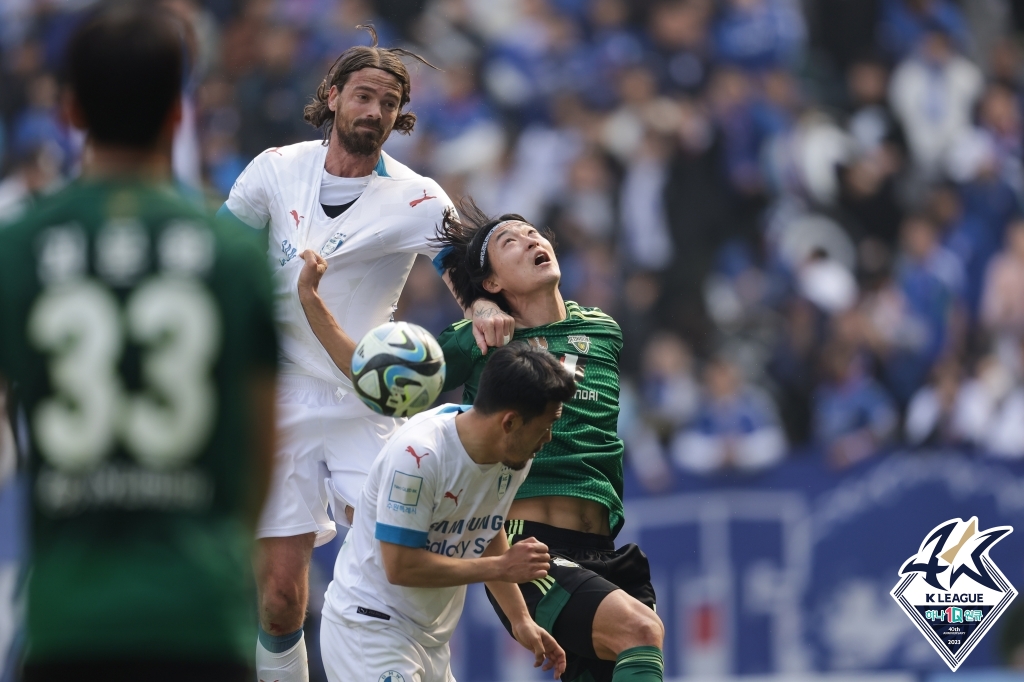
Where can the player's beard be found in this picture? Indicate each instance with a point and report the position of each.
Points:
(360, 140)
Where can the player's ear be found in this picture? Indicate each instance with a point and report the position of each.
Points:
(332, 98)
(491, 285)
(510, 421)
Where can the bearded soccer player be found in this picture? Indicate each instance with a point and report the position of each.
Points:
(355, 207)
(140, 337)
(597, 601)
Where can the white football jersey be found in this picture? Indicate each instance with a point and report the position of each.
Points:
(423, 491)
(370, 248)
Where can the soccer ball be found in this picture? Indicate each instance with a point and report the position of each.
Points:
(398, 369)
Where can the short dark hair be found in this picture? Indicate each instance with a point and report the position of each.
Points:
(125, 67)
(460, 237)
(524, 379)
(357, 58)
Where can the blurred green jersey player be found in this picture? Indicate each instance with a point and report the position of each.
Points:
(138, 335)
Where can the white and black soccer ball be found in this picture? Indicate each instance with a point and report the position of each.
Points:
(398, 369)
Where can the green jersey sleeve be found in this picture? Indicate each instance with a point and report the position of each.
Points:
(461, 358)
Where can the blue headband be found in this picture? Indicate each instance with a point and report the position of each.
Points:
(490, 233)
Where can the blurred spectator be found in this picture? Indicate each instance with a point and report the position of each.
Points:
(903, 23)
(930, 281)
(736, 426)
(35, 170)
(932, 93)
(931, 413)
(270, 99)
(679, 31)
(990, 410)
(1002, 310)
(759, 34)
(666, 400)
(853, 415)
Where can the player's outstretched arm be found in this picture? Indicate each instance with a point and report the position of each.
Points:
(492, 327)
(416, 567)
(332, 337)
(545, 649)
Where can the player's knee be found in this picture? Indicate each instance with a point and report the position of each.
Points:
(282, 605)
(647, 627)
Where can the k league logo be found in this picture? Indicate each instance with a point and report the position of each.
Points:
(952, 589)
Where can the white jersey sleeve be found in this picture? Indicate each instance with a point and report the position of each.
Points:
(250, 196)
(408, 485)
(417, 236)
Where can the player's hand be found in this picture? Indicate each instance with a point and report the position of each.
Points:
(313, 269)
(491, 327)
(544, 647)
(525, 561)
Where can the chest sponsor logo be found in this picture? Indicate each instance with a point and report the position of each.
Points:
(391, 676)
(580, 342)
(952, 590)
(416, 202)
(503, 480)
(538, 342)
(333, 244)
(405, 489)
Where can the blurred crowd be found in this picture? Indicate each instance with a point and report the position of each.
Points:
(805, 214)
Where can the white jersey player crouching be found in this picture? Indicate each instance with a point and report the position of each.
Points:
(429, 522)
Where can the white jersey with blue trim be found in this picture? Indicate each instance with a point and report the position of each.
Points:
(423, 491)
(370, 248)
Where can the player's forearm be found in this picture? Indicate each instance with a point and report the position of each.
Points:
(332, 337)
(416, 567)
(510, 599)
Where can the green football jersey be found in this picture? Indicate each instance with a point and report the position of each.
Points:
(130, 325)
(584, 457)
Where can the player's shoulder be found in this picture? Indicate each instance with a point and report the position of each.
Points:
(285, 157)
(458, 334)
(574, 311)
(422, 434)
(416, 189)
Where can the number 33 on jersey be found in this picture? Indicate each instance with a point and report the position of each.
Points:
(128, 316)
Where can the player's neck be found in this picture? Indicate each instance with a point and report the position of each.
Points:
(538, 309)
(344, 164)
(107, 161)
(477, 437)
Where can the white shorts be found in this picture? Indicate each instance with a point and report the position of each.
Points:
(375, 651)
(323, 456)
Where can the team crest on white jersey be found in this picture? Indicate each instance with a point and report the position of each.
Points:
(580, 342)
(333, 243)
(952, 590)
(503, 481)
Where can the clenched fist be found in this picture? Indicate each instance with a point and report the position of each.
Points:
(525, 561)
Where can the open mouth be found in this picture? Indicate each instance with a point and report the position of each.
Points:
(541, 258)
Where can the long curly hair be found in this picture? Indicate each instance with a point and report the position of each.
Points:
(388, 59)
(460, 237)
